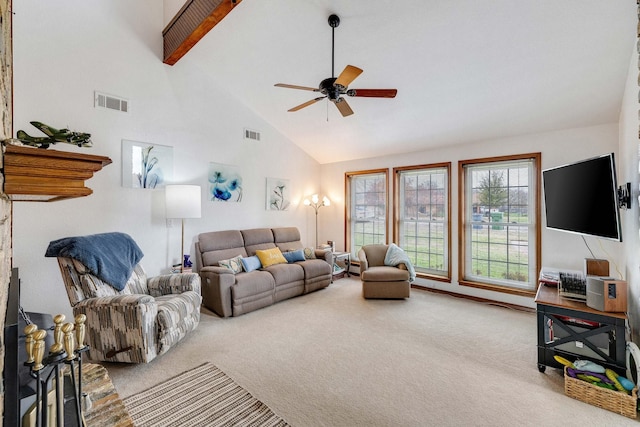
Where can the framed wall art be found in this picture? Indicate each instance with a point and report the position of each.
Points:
(146, 165)
(225, 183)
(278, 194)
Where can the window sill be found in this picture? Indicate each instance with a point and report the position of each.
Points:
(427, 276)
(497, 288)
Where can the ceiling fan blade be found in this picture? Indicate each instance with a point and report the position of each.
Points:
(373, 93)
(313, 89)
(343, 107)
(347, 75)
(306, 104)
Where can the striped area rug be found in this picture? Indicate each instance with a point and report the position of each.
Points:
(204, 396)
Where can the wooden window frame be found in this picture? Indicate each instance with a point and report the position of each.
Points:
(347, 207)
(396, 213)
(462, 280)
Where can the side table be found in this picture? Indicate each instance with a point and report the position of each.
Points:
(343, 256)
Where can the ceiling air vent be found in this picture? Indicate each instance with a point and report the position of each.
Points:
(102, 100)
(252, 134)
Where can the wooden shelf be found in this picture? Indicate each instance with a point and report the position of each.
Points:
(39, 175)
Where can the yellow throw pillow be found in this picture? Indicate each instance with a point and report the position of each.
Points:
(269, 257)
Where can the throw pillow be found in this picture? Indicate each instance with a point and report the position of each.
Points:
(251, 263)
(234, 264)
(270, 257)
(293, 256)
(309, 253)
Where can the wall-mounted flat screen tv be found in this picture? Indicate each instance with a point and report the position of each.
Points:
(582, 198)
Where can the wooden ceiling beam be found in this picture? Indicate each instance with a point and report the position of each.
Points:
(195, 19)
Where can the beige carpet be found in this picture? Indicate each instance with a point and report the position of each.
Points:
(203, 396)
(331, 358)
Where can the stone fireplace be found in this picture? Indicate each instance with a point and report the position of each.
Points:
(6, 131)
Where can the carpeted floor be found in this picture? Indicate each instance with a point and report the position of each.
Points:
(331, 358)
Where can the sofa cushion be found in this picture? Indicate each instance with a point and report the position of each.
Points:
(251, 263)
(137, 283)
(254, 283)
(257, 239)
(93, 287)
(286, 273)
(315, 268)
(293, 256)
(270, 257)
(376, 254)
(234, 264)
(287, 238)
(217, 245)
(384, 274)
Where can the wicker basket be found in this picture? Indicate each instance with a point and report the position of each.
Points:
(612, 400)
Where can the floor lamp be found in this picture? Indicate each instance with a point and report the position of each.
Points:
(183, 201)
(316, 204)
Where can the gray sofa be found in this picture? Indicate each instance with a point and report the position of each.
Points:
(231, 294)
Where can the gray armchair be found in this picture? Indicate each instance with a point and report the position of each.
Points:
(138, 323)
(380, 280)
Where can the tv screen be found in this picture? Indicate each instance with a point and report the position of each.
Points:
(582, 198)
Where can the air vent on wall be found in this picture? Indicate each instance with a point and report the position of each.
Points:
(251, 134)
(102, 100)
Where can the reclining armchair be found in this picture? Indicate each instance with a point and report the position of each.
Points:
(137, 323)
(380, 280)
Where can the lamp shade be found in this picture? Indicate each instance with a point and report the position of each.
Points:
(183, 201)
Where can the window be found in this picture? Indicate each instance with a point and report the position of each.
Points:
(367, 200)
(500, 223)
(421, 224)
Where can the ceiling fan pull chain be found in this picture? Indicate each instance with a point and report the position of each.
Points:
(327, 103)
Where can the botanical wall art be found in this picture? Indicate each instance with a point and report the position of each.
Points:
(225, 183)
(278, 191)
(146, 165)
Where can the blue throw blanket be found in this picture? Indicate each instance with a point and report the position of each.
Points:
(109, 256)
(395, 255)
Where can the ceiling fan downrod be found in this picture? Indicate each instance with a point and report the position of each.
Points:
(334, 21)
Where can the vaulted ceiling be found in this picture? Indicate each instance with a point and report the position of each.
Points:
(465, 70)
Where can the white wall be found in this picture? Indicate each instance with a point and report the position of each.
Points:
(65, 50)
(629, 172)
(562, 250)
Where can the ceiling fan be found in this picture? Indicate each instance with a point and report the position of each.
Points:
(334, 88)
